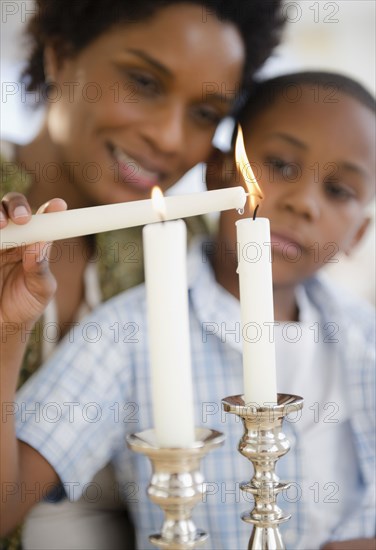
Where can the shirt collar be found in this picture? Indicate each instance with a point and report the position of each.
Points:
(307, 312)
(213, 304)
(210, 301)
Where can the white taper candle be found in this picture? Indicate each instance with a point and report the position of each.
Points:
(165, 252)
(97, 219)
(257, 311)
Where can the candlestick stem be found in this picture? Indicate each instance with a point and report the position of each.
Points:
(263, 443)
(176, 485)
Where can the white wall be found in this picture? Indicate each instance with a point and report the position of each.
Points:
(338, 36)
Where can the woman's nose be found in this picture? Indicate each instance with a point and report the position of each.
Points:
(166, 130)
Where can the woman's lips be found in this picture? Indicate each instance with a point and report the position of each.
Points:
(131, 172)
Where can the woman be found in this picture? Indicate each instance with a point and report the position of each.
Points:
(133, 94)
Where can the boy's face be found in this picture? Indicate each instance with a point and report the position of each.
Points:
(314, 159)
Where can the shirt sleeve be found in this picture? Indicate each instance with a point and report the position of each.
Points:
(69, 410)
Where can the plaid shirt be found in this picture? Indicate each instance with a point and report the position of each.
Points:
(78, 409)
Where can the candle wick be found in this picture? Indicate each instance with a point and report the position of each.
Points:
(255, 212)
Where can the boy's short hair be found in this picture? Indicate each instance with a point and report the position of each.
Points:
(263, 93)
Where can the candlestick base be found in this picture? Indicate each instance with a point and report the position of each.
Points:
(177, 485)
(263, 443)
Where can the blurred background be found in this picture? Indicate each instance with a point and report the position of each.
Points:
(337, 36)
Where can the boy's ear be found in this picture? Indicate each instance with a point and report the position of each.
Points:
(358, 236)
(220, 170)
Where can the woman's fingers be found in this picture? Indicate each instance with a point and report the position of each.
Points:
(26, 283)
(53, 205)
(39, 280)
(15, 207)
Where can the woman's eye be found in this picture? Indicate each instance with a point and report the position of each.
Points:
(339, 191)
(144, 83)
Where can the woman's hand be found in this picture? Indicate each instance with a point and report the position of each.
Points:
(26, 283)
(26, 286)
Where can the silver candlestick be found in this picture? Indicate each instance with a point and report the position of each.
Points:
(177, 485)
(263, 443)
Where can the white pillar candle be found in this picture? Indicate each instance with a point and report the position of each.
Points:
(85, 221)
(168, 326)
(257, 312)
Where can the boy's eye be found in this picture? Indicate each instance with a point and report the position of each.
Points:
(277, 163)
(339, 191)
(287, 170)
(207, 115)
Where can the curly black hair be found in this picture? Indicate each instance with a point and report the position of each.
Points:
(69, 27)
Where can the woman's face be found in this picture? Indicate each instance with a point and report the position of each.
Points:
(138, 107)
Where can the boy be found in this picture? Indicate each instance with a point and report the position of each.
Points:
(316, 169)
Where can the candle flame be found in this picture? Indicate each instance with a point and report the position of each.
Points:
(244, 168)
(158, 201)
